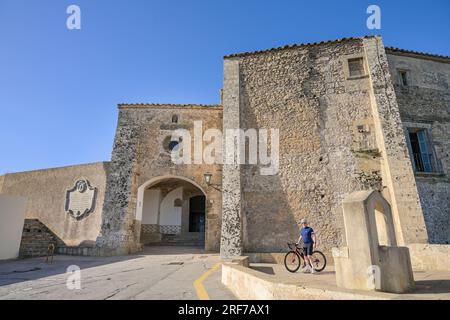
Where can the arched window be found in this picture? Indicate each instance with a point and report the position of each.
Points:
(174, 118)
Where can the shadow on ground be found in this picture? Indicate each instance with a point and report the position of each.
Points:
(20, 270)
(432, 286)
(266, 270)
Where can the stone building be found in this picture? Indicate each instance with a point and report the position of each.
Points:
(351, 114)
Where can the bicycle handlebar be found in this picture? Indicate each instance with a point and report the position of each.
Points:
(292, 244)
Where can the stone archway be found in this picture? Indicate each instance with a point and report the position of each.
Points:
(164, 208)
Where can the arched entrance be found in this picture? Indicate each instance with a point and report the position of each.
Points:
(172, 212)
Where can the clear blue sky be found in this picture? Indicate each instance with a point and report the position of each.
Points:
(59, 88)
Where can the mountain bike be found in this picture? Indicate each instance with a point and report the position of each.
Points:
(292, 259)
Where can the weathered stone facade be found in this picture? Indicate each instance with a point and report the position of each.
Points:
(339, 131)
(139, 156)
(308, 93)
(425, 102)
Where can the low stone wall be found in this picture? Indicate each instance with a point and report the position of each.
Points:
(36, 239)
(430, 257)
(248, 284)
(266, 257)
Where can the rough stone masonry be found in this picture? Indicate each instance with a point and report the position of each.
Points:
(352, 115)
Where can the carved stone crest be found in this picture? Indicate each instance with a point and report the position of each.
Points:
(80, 200)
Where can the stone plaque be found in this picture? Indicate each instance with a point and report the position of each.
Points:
(80, 200)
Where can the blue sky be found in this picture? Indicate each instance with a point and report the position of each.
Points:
(59, 88)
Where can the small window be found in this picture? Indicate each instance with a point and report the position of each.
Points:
(421, 150)
(173, 145)
(169, 144)
(363, 129)
(356, 67)
(174, 118)
(403, 77)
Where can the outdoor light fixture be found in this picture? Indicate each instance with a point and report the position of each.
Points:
(207, 176)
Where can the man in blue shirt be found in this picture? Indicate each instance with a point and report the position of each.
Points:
(309, 238)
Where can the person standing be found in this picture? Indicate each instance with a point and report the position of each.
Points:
(309, 239)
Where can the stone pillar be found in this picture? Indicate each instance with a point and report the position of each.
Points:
(120, 231)
(398, 174)
(231, 237)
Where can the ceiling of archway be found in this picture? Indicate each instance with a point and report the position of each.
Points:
(173, 183)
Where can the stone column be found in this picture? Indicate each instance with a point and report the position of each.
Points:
(231, 237)
(398, 174)
(120, 230)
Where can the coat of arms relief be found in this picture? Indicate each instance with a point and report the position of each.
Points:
(80, 200)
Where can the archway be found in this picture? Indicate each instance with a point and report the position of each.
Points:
(172, 212)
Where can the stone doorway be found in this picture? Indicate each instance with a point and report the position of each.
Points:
(172, 212)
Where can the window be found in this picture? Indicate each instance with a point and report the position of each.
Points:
(403, 77)
(421, 150)
(173, 145)
(356, 67)
(174, 118)
(169, 144)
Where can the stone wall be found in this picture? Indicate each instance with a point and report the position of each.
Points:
(140, 155)
(46, 190)
(36, 239)
(339, 133)
(425, 101)
(231, 243)
(306, 93)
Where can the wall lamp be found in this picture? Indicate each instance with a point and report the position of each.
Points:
(207, 176)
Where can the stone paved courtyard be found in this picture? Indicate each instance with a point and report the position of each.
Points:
(157, 273)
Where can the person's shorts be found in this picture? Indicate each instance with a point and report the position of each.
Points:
(308, 249)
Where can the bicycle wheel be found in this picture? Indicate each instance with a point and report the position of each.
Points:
(292, 261)
(319, 261)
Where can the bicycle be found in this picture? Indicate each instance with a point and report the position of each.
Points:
(292, 259)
